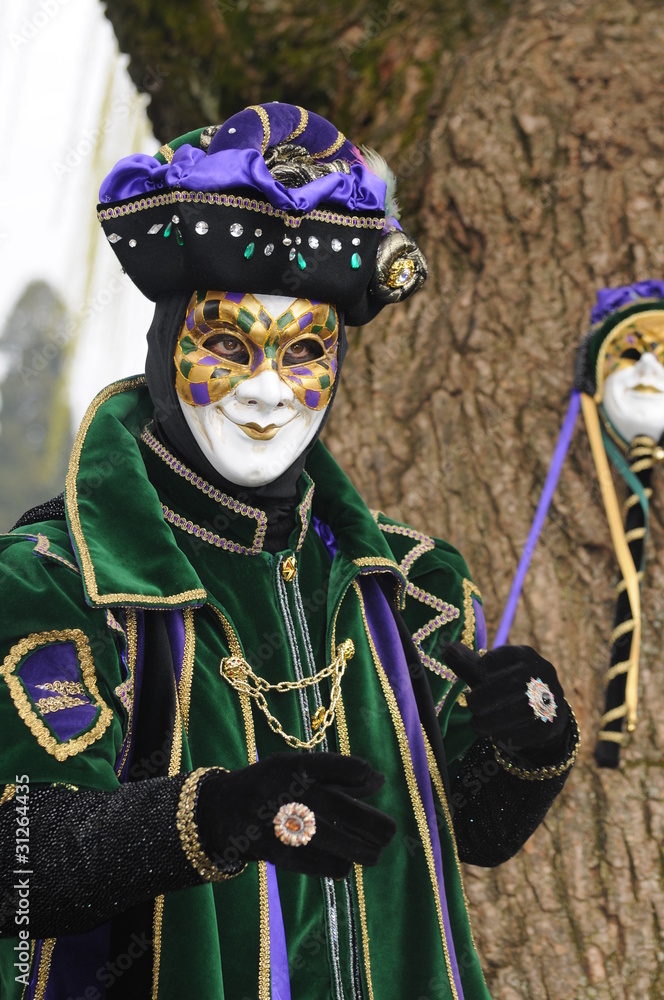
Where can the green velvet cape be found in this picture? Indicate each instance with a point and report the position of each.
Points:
(83, 588)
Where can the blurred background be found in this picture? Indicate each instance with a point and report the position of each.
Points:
(528, 145)
(70, 321)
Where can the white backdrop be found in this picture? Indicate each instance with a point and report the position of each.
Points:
(68, 112)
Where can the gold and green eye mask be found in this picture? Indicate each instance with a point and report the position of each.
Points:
(228, 337)
(640, 334)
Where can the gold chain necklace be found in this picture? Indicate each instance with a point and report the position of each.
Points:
(244, 680)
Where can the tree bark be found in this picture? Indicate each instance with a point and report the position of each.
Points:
(530, 163)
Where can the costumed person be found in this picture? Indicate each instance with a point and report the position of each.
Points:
(620, 372)
(226, 682)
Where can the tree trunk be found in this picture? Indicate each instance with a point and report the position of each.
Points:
(530, 162)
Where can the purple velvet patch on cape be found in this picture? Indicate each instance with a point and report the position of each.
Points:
(53, 663)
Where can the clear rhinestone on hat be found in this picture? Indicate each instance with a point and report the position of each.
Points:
(291, 253)
(153, 230)
(258, 232)
(176, 219)
(132, 243)
(236, 229)
(114, 238)
(268, 249)
(313, 242)
(201, 228)
(356, 241)
(287, 241)
(232, 130)
(336, 245)
(298, 240)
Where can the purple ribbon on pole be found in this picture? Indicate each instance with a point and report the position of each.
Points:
(560, 451)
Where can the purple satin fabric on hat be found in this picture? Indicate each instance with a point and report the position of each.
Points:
(232, 169)
(610, 299)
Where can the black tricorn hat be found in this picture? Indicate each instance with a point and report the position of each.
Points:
(275, 200)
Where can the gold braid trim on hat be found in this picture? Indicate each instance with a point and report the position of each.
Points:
(304, 121)
(265, 122)
(167, 152)
(334, 148)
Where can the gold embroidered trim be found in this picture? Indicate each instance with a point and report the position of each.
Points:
(411, 780)
(232, 201)
(376, 562)
(332, 149)
(468, 636)
(167, 152)
(265, 122)
(157, 922)
(113, 623)
(44, 967)
(126, 691)
(430, 600)
(173, 769)
(188, 831)
(62, 687)
(442, 798)
(180, 469)
(43, 548)
(424, 543)
(304, 518)
(344, 746)
(71, 500)
(20, 698)
(264, 984)
(186, 677)
(542, 773)
(7, 795)
(57, 703)
(304, 121)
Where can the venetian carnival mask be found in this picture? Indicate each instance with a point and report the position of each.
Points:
(632, 394)
(254, 376)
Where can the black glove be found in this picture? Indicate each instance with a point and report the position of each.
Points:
(498, 697)
(235, 812)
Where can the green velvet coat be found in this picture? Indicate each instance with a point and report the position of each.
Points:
(143, 535)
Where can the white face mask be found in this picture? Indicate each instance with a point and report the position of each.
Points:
(258, 426)
(633, 398)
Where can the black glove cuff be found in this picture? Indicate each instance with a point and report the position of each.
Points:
(541, 763)
(209, 865)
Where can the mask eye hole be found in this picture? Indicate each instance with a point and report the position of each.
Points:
(302, 351)
(229, 347)
(631, 354)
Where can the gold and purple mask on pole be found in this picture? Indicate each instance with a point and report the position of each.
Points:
(637, 335)
(228, 337)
